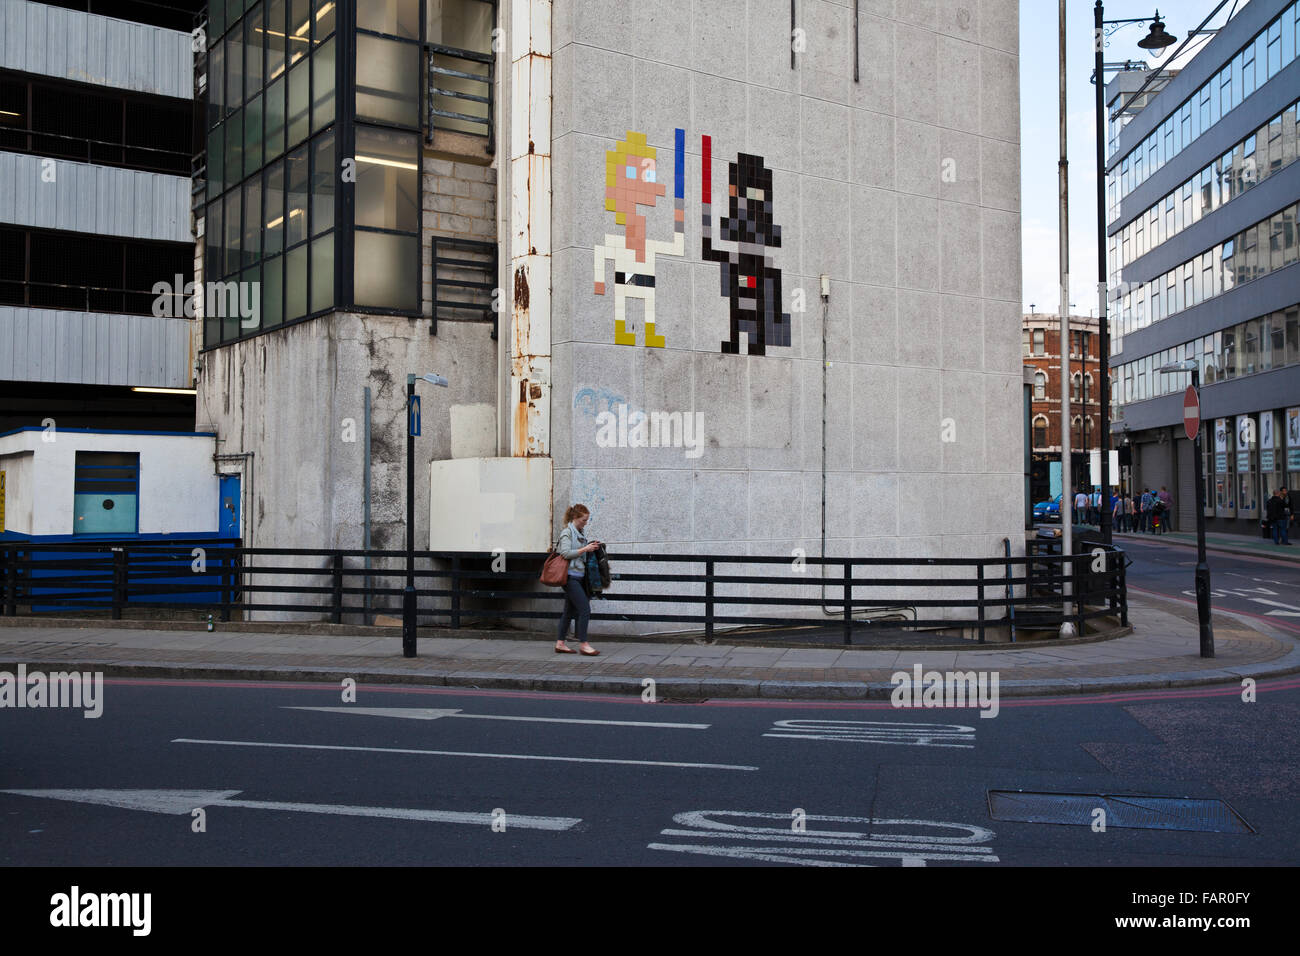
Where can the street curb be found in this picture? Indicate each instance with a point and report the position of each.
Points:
(672, 688)
(1286, 556)
(321, 629)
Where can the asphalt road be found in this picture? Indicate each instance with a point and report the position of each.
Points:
(1259, 587)
(586, 780)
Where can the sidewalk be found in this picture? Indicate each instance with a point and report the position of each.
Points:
(1162, 651)
(1230, 543)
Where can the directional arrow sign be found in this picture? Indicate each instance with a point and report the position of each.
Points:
(433, 713)
(186, 801)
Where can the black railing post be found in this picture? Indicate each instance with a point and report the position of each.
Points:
(227, 583)
(708, 600)
(6, 597)
(1122, 583)
(336, 605)
(848, 602)
(455, 591)
(979, 597)
(119, 582)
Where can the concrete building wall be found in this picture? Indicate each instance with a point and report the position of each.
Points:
(903, 188)
(178, 485)
(293, 400)
(87, 48)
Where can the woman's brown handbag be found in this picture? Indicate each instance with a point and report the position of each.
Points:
(555, 570)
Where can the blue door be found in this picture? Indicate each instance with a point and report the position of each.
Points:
(228, 512)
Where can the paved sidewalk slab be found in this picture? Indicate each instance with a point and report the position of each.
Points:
(1162, 651)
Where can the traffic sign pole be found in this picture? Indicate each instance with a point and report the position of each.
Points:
(1192, 424)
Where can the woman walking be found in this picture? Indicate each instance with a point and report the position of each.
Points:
(574, 547)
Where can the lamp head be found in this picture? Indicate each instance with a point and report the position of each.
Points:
(1157, 39)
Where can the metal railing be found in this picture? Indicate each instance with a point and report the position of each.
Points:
(150, 159)
(444, 103)
(462, 287)
(702, 592)
(83, 298)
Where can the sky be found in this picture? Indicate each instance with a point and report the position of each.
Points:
(1040, 136)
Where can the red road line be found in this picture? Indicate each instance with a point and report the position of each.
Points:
(1276, 622)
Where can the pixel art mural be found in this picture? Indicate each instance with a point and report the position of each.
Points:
(631, 182)
(750, 280)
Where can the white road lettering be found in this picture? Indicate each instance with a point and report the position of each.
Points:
(877, 732)
(185, 801)
(434, 713)
(910, 842)
(466, 753)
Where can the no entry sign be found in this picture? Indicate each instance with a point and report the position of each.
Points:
(1191, 413)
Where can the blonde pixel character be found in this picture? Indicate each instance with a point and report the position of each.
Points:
(631, 181)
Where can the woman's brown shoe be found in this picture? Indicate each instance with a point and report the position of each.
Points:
(562, 648)
(588, 651)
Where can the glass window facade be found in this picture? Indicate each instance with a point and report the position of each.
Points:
(1255, 64)
(1264, 247)
(1265, 152)
(1257, 345)
(314, 192)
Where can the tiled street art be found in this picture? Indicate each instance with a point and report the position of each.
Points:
(631, 181)
(750, 280)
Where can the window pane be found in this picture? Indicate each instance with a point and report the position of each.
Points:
(234, 148)
(274, 106)
(299, 38)
(295, 225)
(273, 292)
(253, 136)
(299, 81)
(322, 102)
(388, 76)
(216, 83)
(253, 54)
(387, 271)
(399, 17)
(212, 237)
(275, 39)
(322, 272)
(322, 186)
(234, 70)
(252, 246)
(216, 161)
(387, 188)
(231, 216)
(295, 283)
(323, 14)
(275, 208)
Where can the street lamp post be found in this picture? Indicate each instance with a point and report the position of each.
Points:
(412, 430)
(1202, 564)
(1156, 39)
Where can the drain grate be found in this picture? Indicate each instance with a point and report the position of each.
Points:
(1125, 810)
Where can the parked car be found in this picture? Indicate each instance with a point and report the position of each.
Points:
(1048, 510)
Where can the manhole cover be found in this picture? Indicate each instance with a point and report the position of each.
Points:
(1126, 810)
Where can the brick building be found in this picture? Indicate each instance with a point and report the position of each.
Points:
(1042, 353)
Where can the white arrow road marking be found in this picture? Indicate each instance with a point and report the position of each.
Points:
(1291, 609)
(433, 713)
(466, 753)
(186, 801)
